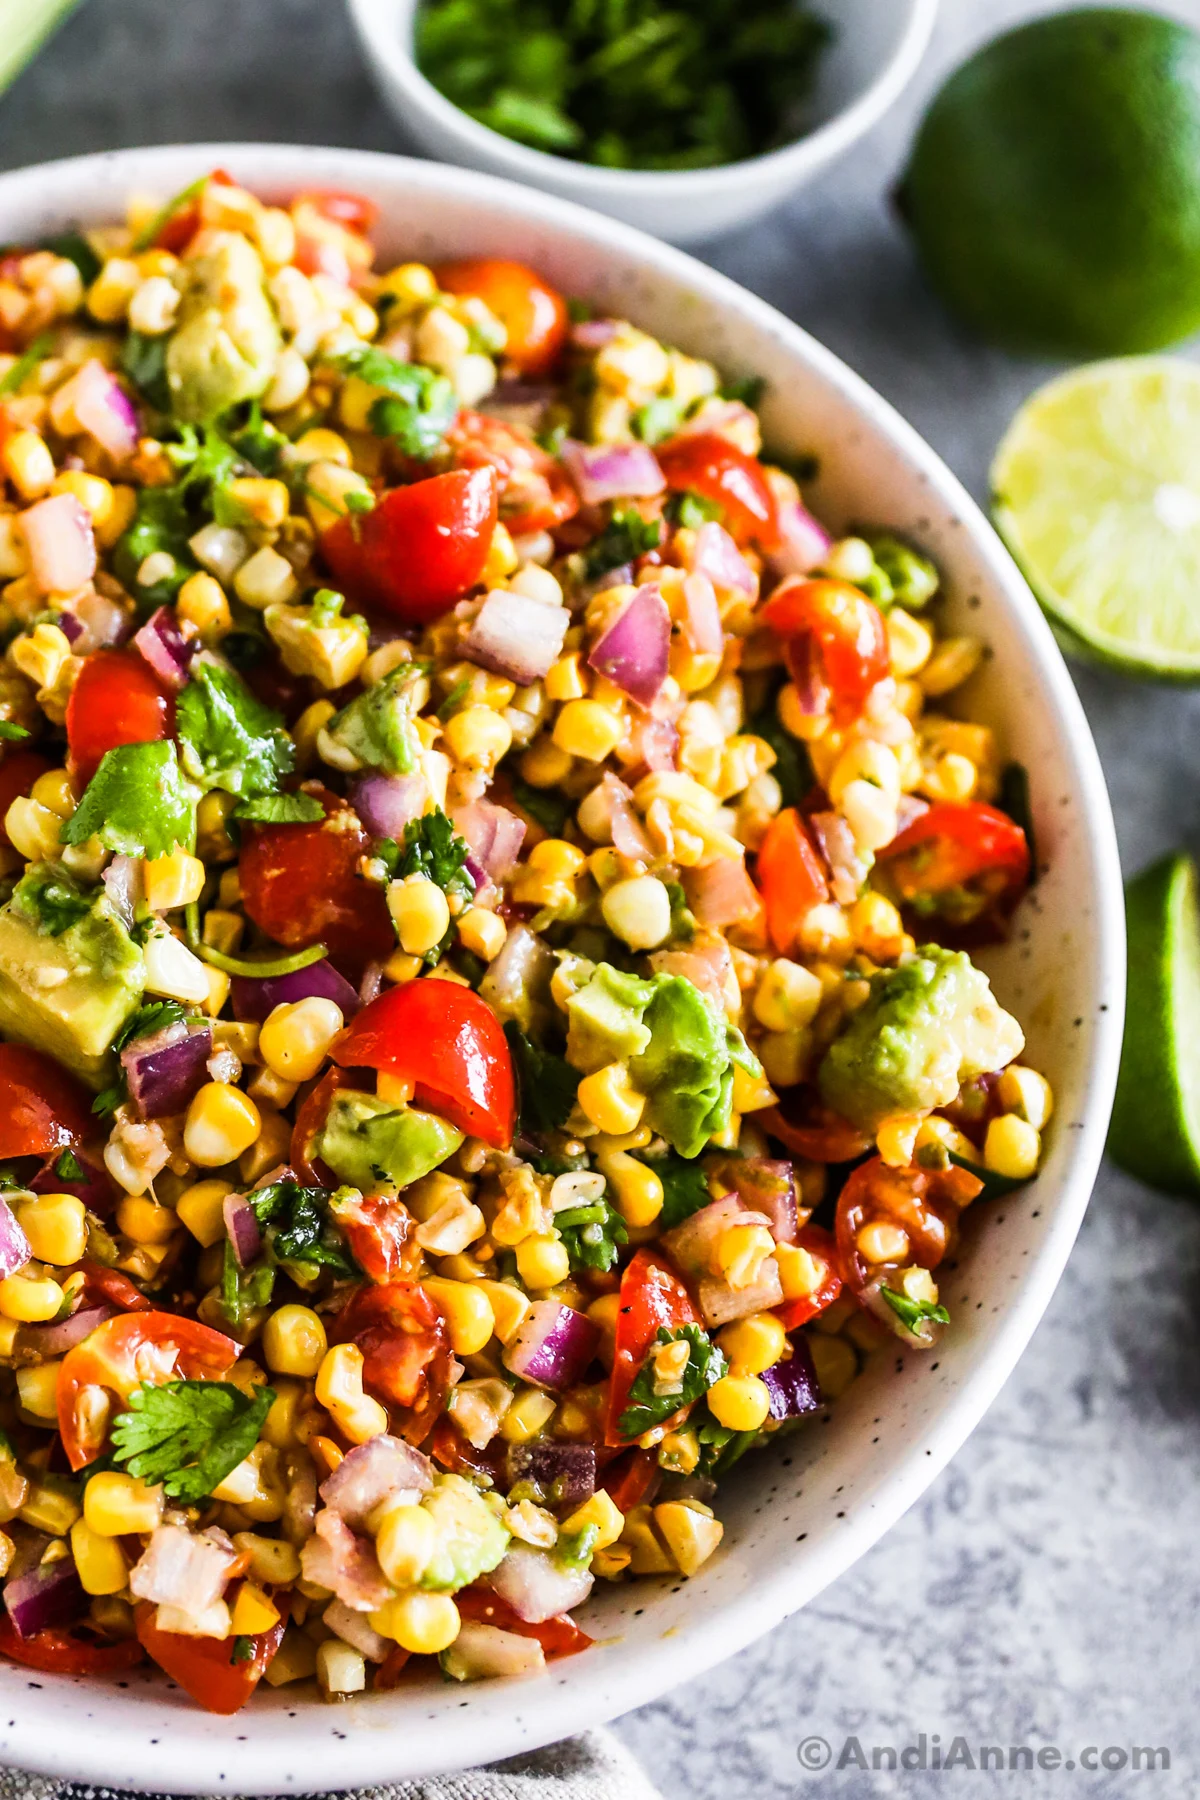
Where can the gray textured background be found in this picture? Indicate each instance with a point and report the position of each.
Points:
(1045, 1591)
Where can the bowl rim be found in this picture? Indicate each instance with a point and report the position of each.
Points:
(588, 182)
(206, 1762)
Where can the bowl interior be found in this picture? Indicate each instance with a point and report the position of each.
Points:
(797, 1514)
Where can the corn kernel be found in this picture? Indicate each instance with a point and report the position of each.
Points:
(785, 1056)
(99, 1563)
(405, 1544)
(200, 1208)
(265, 502)
(143, 1220)
(478, 737)
(273, 1562)
(320, 445)
(31, 1300)
(56, 1226)
(265, 579)
(528, 1415)
(54, 791)
(690, 1533)
(37, 1391)
(544, 765)
(221, 1122)
(423, 1624)
(1012, 1147)
(865, 760)
(482, 932)
(467, 1311)
(33, 830)
(602, 1512)
(93, 493)
(1024, 1092)
(49, 1504)
(952, 663)
(201, 602)
(420, 913)
(509, 1307)
(340, 1391)
(26, 460)
(638, 911)
(567, 679)
(910, 642)
(739, 1402)
(638, 1189)
(648, 1554)
(882, 1242)
(115, 1504)
(870, 814)
(753, 1344)
(834, 1364)
(294, 1341)
(252, 1612)
(542, 1261)
(741, 1251)
(586, 729)
(609, 1099)
(172, 881)
(788, 997)
(295, 1037)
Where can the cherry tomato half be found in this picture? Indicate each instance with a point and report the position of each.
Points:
(823, 1250)
(42, 1108)
(533, 313)
(958, 860)
(420, 549)
(117, 699)
(559, 1636)
(122, 1353)
(808, 1128)
(183, 223)
(18, 772)
(354, 211)
(847, 631)
(300, 884)
(406, 1352)
(204, 1667)
(651, 1296)
(632, 1480)
(790, 877)
(924, 1203)
(108, 1287)
(536, 493)
(447, 1041)
(62, 1653)
(703, 463)
(378, 1228)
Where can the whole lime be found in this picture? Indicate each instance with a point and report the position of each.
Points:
(1054, 187)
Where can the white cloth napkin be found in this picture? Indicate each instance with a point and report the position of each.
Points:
(592, 1767)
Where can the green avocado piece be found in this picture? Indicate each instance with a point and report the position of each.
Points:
(370, 1144)
(377, 726)
(226, 339)
(605, 1019)
(926, 1027)
(67, 991)
(471, 1540)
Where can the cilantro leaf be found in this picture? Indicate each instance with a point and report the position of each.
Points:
(243, 1650)
(10, 729)
(591, 1234)
(144, 360)
(161, 523)
(75, 248)
(691, 511)
(658, 419)
(749, 389)
(156, 1015)
(912, 1313)
(549, 810)
(720, 1448)
(431, 847)
(626, 537)
(792, 770)
(705, 1365)
(546, 1083)
(256, 440)
(25, 364)
(299, 1227)
(188, 1435)
(52, 897)
(244, 1290)
(137, 803)
(228, 738)
(685, 1186)
(417, 406)
(69, 1168)
(280, 809)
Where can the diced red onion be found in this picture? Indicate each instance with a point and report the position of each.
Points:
(372, 981)
(44, 1597)
(633, 651)
(493, 835)
(629, 838)
(702, 620)
(909, 811)
(106, 622)
(183, 1568)
(14, 1245)
(519, 403)
(520, 975)
(536, 1586)
(717, 556)
(387, 803)
(56, 1340)
(768, 1186)
(165, 647)
(165, 1070)
(241, 1228)
(563, 1475)
(721, 893)
(355, 1629)
(123, 884)
(62, 548)
(257, 996)
(803, 543)
(370, 1472)
(105, 410)
(71, 627)
(847, 869)
(792, 1383)
(593, 334)
(691, 1244)
(515, 636)
(552, 1346)
(658, 742)
(808, 676)
(708, 967)
(721, 1304)
(622, 576)
(613, 471)
(95, 1189)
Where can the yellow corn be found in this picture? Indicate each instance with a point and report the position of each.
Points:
(295, 1038)
(174, 880)
(93, 493)
(509, 1307)
(201, 1210)
(638, 1190)
(602, 1512)
(882, 1242)
(201, 602)
(638, 911)
(221, 1122)
(101, 1567)
(834, 1364)
(542, 1261)
(954, 660)
(690, 1532)
(30, 1300)
(482, 932)
(294, 1341)
(421, 1623)
(609, 1099)
(27, 462)
(467, 1311)
(753, 1344)
(529, 1414)
(53, 790)
(1012, 1147)
(340, 1391)
(910, 642)
(265, 579)
(420, 913)
(477, 737)
(586, 729)
(739, 1402)
(143, 1220)
(741, 1252)
(37, 1391)
(788, 997)
(56, 1226)
(252, 1612)
(49, 1505)
(406, 1543)
(1024, 1092)
(264, 501)
(272, 1561)
(33, 830)
(115, 1504)
(544, 765)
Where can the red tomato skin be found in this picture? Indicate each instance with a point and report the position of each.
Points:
(58, 1653)
(42, 1108)
(703, 463)
(378, 1233)
(117, 699)
(632, 1480)
(18, 772)
(849, 633)
(926, 1202)
(821, 1246)
(406, 1352)
(202, 1666)
(558, 1636)
(310, 1118)
(108, 1287)
(300, 884)
(534, 314)
(963, 840)
(450, 1043)
(420, 549)
(536, 494)
(789, 877)
(652, 1295)
(354, 211)
(810, 1129)
(107, 1359)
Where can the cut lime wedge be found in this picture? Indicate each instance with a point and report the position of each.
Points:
(1096, 490)
(1155, 1131)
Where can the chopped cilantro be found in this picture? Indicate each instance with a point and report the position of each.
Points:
(454, 698)
(549, 810)
(912, 1313)
(137, 803)
(720, 1448)
(432, 848)
(75, 248)
(228, 738)
(299, 1229)
(69, 1168)
(256, 439)
(658, 419)
(546, 1084)
(626, 537)
(685, 1186)
(591, 1234)
(149, 233)
(417, 406)
(25, 364)
(244, 1291)
(188, 1435)
(10, 729)
(792, 770)
(144, 360)
(749, 389)
(705, 1365)
(691, 511)
(243, 1650)
(162, 524)
(1014, 799)
(279, 809)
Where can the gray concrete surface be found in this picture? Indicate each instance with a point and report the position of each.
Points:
(1045, 1591)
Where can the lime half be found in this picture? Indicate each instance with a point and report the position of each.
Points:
(1096, 490)
(1155, 1131)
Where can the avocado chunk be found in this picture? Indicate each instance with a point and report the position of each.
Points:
(70, 974)
(471, 1540)
(370, 1144)
(377, 728)
(226, 340)
(926, 1027)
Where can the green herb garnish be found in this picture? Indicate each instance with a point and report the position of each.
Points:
(546, 1083)
(137, 803)
(417, 405)
(188, 1435)
(228, 738)
(626, 537)
(705, 1365)
(911, 1313)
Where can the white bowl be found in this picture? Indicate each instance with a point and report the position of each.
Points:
(875, 50)
(796, 1515)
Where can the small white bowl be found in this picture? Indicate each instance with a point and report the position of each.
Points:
(876, 47)
(800, 1512)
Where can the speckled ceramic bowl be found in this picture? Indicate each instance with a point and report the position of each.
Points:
(798, 1514)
